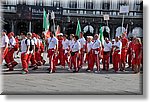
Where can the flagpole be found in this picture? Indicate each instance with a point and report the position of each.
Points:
(122, 22)
(54, 24)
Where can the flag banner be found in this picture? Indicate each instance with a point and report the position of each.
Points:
(78, 29)
(106, 17)
(101, 37)
(124, 9)
(44, 20)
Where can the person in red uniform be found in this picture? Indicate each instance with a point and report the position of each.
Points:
(65, 56)
(117, 53)
(32, 51)
(4, 45)
(96, 52)
(38, 52)
(75, 54)
(10, 55)
(124, 41)
(137, 55)
(52, 51)
(89, 56)
(130, 49)
(113, 49)
(25, 46)
(60, 49)
(106, 54)
(71, 42)
(82, 50)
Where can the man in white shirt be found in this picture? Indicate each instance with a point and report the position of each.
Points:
(117, 53)
(10, 55)
(65, 44)
(96, 51)
(89, 55)
(32, 51)
(4, 44)
(71, 42)
(52, 51)
(25, 46)
(82, 50)
(75, 54)
(106, 54)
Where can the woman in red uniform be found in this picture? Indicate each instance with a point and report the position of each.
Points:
(137, 55)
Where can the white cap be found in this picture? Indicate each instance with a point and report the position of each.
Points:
(113, 39)
(60, 34)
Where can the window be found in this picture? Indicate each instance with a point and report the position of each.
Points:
(89, 4)
(73, 4)
(56, 3)
(141, 6)
(106, 6)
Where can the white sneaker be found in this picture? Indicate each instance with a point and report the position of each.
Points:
(97, 71)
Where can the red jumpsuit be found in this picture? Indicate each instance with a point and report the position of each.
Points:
(137, 55)
(130, 54)
(124, 50)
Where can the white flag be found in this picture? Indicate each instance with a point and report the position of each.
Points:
(52, 15)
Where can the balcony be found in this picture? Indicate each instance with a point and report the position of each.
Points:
(100, 13)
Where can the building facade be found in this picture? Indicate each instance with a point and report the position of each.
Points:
(26, 15)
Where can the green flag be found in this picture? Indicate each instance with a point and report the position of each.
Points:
(101, 35)
(78, 30)
(45, 20)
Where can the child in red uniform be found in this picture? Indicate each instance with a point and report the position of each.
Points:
(137, 55)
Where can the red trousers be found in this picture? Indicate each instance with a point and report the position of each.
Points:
(123, 55)
(65, 59)
(31, 57)
(96, 60)
(59, 57)
(10, 57)
(106, 57)
(116, 60)
(130, 59)
(81, 56)
(4, 53)
(75, 61)
(24, 60)
(39, 58)
(52, 59)
(90, 59)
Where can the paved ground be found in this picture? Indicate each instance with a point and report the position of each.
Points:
(65, 82)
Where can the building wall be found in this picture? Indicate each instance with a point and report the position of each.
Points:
(93, 16)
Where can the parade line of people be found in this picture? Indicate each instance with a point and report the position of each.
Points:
(73, 52)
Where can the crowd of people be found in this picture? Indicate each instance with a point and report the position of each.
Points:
(72, 51)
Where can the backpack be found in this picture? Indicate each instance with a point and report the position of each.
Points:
(31, 48)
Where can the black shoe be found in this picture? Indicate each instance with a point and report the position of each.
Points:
(44, 62)
(35, 68)
(31, 66)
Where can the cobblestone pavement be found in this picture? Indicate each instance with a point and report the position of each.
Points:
(66, 82)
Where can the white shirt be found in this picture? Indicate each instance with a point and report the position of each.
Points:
(71, 42)
(96, 44)
(65, 44)
(35, 40)
(89, 46)
(76, 46)
(24, 45)
(107, 46)
(5, 40)
(82, 41)
(52, 42)
(119, 44)
(12, 42)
